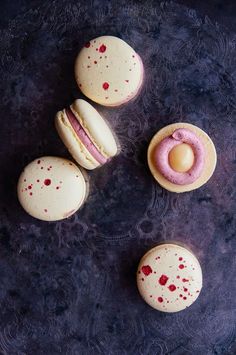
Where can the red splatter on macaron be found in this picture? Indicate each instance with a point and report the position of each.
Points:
(147, 270)
(163, 280)
(102, 48)
(105, 86)
(47, 182)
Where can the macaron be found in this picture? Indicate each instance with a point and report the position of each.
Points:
(86, 134)
(181, 157)
(51, 188)
(169, 278)
(109, 71)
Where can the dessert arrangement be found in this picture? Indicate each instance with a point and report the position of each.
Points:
(181, 158)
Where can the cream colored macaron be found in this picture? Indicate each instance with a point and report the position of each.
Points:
(109, 71)
(169, 278)
(51, 188)
(86, 134)
(181, 157)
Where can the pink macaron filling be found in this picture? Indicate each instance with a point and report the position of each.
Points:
(84, 138)
(161, 157)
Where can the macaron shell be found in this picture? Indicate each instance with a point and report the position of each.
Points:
(51, 188)
(78, 151)
(109, 71)
(210, 158)
(169, 278)
(95, 127)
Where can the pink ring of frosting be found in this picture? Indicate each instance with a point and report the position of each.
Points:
(161, 157)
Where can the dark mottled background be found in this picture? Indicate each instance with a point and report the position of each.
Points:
(69, 287)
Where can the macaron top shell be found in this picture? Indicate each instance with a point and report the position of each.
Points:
(51, 188)
(209, 164)
(95, 126)
(109, 71)
(169, 278)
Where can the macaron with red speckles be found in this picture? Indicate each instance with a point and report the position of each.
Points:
(109, 71)
(86, 134)
(169, 278)
(51, 188)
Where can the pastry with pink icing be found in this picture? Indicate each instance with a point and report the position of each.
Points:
(169, 278)
(86, 134)
(181, 157)
(109, 71)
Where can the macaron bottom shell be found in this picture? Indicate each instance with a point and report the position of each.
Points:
(210, 157)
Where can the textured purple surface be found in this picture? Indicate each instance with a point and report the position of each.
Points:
(69, 287)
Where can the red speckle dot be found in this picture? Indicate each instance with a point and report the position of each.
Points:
(70, 164)
(181, 266)
(31, 193)
(41, 167)
(184, 298)
(45, 210)
(102, 48)
(47, 182)
(180, 259)
(48, 169)
(29, 187)
(38, 180)
(163, 280)
(39, 161)
(80, 85)
(127, 81)
(139, 272)
(146, 269)
(160, 299)
(180, 295)
(178, 277)
(185, 280)
(172, 288)
(95, 62)
(24, 180)
(155, 272)
(150, 296)
(142, 279)
(133, 56)
(105, 86)
(88, 57)
(87, 45)
(197, 291)
(26, 189)
(96, 49)
(185, 289)
(58, 187)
